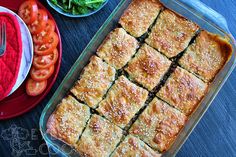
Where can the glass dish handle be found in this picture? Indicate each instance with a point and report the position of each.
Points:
(202, 9)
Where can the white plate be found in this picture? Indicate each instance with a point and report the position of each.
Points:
(27, 53)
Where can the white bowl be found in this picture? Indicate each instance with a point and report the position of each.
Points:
(27, 50)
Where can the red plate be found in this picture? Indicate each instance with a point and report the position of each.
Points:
(19, 102)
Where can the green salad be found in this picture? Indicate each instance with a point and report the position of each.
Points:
(78, 7)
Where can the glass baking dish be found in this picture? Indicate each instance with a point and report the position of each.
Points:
(188, 11)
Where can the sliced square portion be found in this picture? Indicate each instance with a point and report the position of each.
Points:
(134, 147)
(183, 90)
(148, 67)
(68, 120)
(139, 16)
(99, 138)
(118, 48)
(206, 56)
(123, 101)
(159, 125)
(94, 82)
(171, 34)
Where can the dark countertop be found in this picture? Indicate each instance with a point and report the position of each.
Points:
(215, 135)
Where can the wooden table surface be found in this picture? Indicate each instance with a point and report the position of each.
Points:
(215, 135)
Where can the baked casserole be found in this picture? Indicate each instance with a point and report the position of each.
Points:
(123, 101)
(99, 138)
(141, 87)
(139, 16)
(148, 67)
(96, 79)
(133, 146)
(118, 48)
(68, 120)
(171, 34)
(206, 56)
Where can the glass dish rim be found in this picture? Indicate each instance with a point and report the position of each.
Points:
(84, 52)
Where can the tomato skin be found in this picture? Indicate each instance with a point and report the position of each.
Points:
(28, 11)
(41, 74)
(39, 23)
(44, 35)
(47, 48)
(34, 88)
(45, 61)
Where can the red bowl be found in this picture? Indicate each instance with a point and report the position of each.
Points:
(19, 102)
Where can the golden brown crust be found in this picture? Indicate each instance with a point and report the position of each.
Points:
(99, 138)
(171, 34)
(118, 48)
(133, 147)
(139, 16)
(206, 56)
(68, 120)
(159, 125)
(94, 82)
(183, 90)
(123, 101)
(148, 67)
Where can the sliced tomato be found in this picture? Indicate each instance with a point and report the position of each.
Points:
(41, 74)
(42, 62)
(35, 88)
(45, 34)
(39, 23)
(47, 48)
(28, 11)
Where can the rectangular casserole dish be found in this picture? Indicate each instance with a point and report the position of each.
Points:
(72, 76)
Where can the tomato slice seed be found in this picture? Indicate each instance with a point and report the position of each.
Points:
(45, 61)
(41, 74)
(35, 88)
(28, 11)
(40, 23)
(47, 48)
